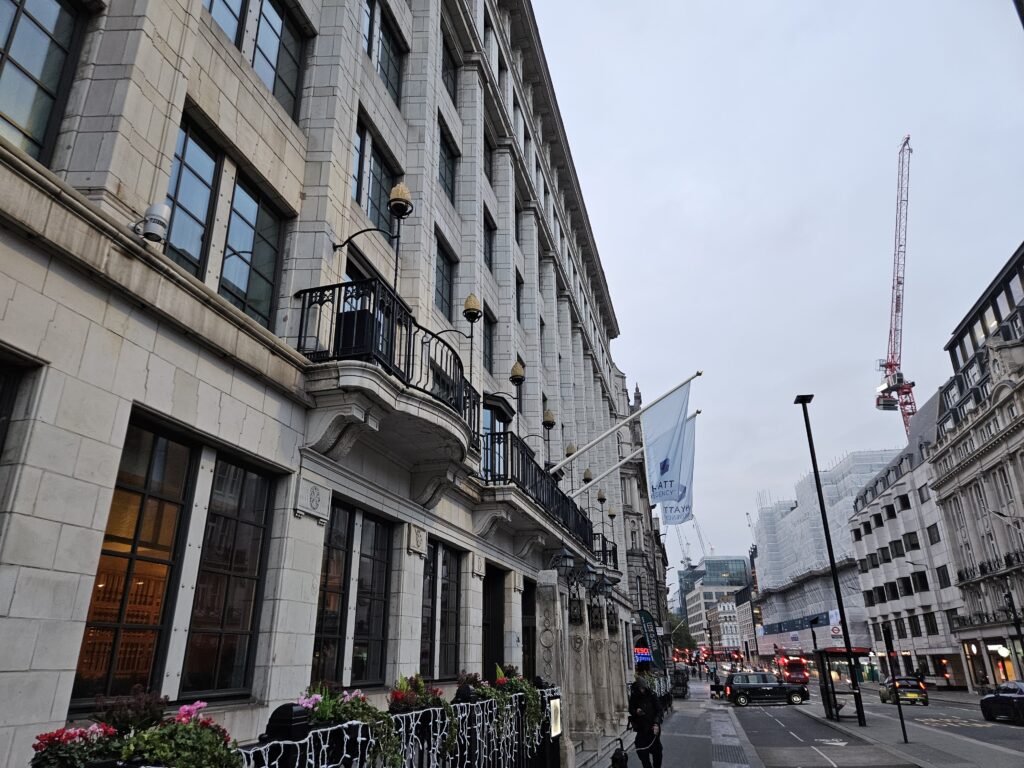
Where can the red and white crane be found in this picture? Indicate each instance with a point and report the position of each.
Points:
(896, 392)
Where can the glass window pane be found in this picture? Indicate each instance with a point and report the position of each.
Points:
(208, 606)
(135, 456)
(200, 670)
(6, 15)
(93, 663)
(54, 17)
(264, 69)
(134, 661)
(170, 467)
(186, 236)
(232, 662)
(108, 589)
(219, 541)
(159, 525)
(236, 272)
(42, 58)
(225, 18)
(193, 194)
(227, 489)
(124, 514)
(241, 597)
(200, 161)
(247, 549)
(24, 102)
(146, 595)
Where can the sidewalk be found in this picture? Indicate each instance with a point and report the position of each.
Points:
(937, 693)
(928, 748)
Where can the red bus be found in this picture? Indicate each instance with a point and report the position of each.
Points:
(792, 666)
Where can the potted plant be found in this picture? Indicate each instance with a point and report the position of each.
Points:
(330, 705)
(75, 747)
(188, 740)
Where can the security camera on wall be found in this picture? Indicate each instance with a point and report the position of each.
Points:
(153, 226)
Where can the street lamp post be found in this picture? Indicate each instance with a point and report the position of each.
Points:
(802, 401)
(400, 207)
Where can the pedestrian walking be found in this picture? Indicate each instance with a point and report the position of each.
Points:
(646, 716)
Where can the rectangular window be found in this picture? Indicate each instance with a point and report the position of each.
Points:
(358, 158)
(390, 57)
(911, 541)
(250, 255)
(942, 573)
(448, 661)
(905, 587)
(444, 278)
(225, 611)
(876, 631)
(366, 27)
(876, 519)
(930, 625)
(880, 595)
(896, 545)
(869, 598)
(382, 179)
(920, 579)
(227, 14)
(447, 163)
(519, 223)
(933, 533)
(189, 195)
(36, 66)
(488, 160)
(128, 614)
(901, 628)
(856, 534)
(370, 630)
(490, 325)
(428, 604)
(873, 559)
(490, 234)
(892, 591)
(890, 512)
(519, 296)
(278, 55)
(915, 625)
(332, 609)
(450, 72)
(862, 566)
(10, 380)
(923, 494)
(883, 554)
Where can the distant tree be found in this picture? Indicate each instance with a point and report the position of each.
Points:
(681, 637)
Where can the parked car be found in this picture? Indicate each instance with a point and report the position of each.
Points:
(1007, 701)
(910, 690)
(743, 688)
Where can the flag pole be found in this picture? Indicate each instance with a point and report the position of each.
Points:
(620, 424)
(633, 455)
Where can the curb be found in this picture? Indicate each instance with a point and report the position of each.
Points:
(753, 759)
(846, 731)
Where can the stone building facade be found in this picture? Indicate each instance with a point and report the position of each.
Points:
(245, 459)
(904, 563)
(978, 474)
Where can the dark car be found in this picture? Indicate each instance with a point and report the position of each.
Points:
(742, 688)
(1007, 701)
(910, 690)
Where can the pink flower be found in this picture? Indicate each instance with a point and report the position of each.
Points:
(187, 712)
(310, 702)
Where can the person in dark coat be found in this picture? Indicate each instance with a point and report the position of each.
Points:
(646, 715)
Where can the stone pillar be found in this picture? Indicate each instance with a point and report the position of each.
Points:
(550, 659)
(514, 619)
(599, 675)
(409, 551)
(580, 688)
(471, 615)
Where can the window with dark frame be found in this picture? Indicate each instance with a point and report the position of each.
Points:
(449, 71)
(228, 15)
(490, 234)
(390, 58)
(251, 254)
(225, 611)
(901, 628)
(933, 534)
(915, 625)
(920, 579)
(896, 545)
(332, 609)
(10, 380)
(366, 26)
(38, 50)
(277, 58)
(374, 577)
(911, 541)
(923, 493)
(490, 326)
(448, 650)
(444, 280)
(428, 604)
(358, 159)
(447, 163)
(488, 160)
(519, 296)
(190, 196)
(930, 625)
(942, 573)
(129, 614)
(382, 179)
(906, 589)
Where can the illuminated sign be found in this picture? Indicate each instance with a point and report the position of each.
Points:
(642, 654)
(555, 716)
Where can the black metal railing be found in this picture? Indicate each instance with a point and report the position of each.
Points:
(606, 550)
(366, 320)
(981, 619)
(507, 460)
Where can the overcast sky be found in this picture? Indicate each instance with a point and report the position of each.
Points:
(738, 161)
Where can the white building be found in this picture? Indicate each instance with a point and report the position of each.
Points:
(250, 458)
(794, 578)
(904, 562)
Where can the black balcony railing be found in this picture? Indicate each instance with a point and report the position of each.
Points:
(507, 460)
(993, 567)
(606, 550)
(981, 619)
(366, 320)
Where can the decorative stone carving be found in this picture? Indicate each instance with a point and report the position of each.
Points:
(528, 543)
(479, 566)
(1005, 361)
(432, 480)
(517, 581)
(486, 521)
(339, 426)
(417, 540)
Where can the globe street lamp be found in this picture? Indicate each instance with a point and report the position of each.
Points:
(400, 207)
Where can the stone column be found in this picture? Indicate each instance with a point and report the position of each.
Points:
(471, 615)
(580, 685)
(550, 658)
(409, 550)
(514, 619)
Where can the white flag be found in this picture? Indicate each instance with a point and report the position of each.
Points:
(681, 510)
(664, 425)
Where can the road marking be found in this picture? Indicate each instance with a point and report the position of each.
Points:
(773, 717)
(832, 742)
(796, 737)
(825, 756)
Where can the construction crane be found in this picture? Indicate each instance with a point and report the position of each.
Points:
(895, 391)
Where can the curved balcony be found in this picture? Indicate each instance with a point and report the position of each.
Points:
(507, 460)
(411, 382)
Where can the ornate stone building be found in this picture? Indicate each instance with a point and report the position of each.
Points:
(978, 475)
(252, 456)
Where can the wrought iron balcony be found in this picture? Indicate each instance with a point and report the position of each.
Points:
(606, 550)
(367, 321)
(995, 566)
(981, 619)
(507, 460)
